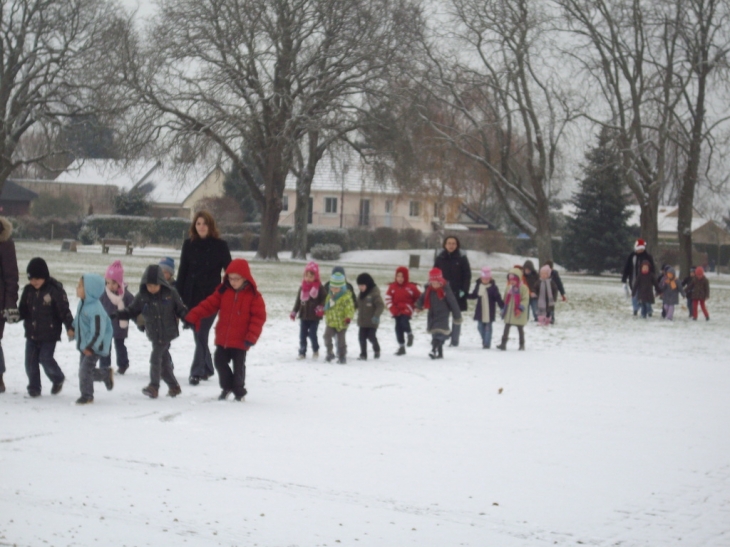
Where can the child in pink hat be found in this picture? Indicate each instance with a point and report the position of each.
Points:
(116, 297)
(309, 306)
(486, 293)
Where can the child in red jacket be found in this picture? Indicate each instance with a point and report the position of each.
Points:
(401, 298)
(241, 318)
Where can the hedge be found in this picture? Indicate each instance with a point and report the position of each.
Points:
(326, 251)
(141, 229)
(44, 228)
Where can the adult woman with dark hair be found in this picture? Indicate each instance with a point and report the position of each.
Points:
(456, 270)
(8, 286)
(204, 256)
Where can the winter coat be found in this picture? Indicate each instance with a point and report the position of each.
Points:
(307, 310)
(555, 276)
(45, 311)
(509, 314)
(439, 310)
(111, 308)
(201, 264)
(632, 269)
(457, 271)
(160, 310)
(340, 309)
(670, 296)
(644, 288)
(369, 308)
(687, 286)
(700, 288)
(92, 326)
(242, 313)
(401, 298)
(8, 271)
(532, 279)
(491, 296)
(553, 287)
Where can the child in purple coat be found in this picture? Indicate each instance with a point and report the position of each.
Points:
(487, 296)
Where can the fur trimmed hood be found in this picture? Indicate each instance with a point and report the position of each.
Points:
(7, 229)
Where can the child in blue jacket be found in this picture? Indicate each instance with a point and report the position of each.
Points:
(93, 332)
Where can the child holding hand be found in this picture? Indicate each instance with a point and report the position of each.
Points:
(488, 298)
(439, 300)
(117, 297)
(309, 306)
(339, 309)
(516, 300)
(401, 298)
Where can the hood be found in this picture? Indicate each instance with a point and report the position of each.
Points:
(6, 229)
(94, 287)
(154, 276)
(240, 266)
(404, 271)
(699, 272)
(529, 264)
(517, 273)
(670, 270)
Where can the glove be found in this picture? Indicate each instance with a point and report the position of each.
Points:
(376, 320)
(11, 315)
(248, 345)
(293, 315)
(565, 298)
(186, 325)
(461, 294)
(319, 310)
(521, 307)
(141, 327)
(114, 315)
(347, 320)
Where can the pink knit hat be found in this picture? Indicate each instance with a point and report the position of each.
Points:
(312, 267)
(486, 272)
(115, 272)
(546, 271)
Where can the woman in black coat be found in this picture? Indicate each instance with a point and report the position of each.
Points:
(456, 270)
(8, 285)
(204, 256)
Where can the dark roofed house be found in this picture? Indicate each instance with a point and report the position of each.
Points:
(15, 200)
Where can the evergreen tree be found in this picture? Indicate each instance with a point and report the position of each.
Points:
(597, 236)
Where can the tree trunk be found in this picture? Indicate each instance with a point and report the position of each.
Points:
(269, 238)
(301, 217)
(543, 235)
(649, 220)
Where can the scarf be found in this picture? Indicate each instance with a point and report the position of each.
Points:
(310, 289)
(513, 295)
(118, 301)
(544, 297)
(484, 295)
(427, 298)
(333, 298)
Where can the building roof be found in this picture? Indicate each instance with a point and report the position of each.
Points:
(173, 184)
(349, 175)
(14, 192)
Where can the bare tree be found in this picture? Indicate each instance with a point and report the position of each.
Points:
(508, 105)
(279, 80)
(51, 67)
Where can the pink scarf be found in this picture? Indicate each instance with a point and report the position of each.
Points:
(513, 294)
(310, 289)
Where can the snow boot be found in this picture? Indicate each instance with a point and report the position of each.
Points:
(84, 400)
(315, 355)
(151, 391)
(409, 343)
(224, 394)
(2, 384)
(441, 350)
(109, 380)
(301, 357)
(362, 357)
(56, 388)
(436, 351)
(174, 391)
(401, 351)
(34, 394)
(330, 357)
(122, 370)
(376, 355)
(342, 361)
(194, 380)
(522, 347)
(503, 345)
(239, 398)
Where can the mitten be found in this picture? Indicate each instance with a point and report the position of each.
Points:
(521, 307)
(12, 315)
(347, 320)
(376, 320)
(247, 345)
(293, 316)
(565, 298)
(461, 294)
(319, 311)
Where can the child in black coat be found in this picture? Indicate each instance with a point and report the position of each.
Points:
(488, 298)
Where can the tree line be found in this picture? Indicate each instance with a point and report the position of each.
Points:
(489, 94)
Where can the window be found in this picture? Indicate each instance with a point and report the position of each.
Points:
(389, 207)
(285, 203)
(437, 209)
(330, 205)
(415, 209)
(364, 212)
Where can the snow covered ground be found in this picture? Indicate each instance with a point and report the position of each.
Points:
(609, 430)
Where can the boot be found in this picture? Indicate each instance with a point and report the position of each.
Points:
(109, 381)
(342, 361)
(441, 350)
(315, 355)
(376, 355)
(522, 347)
(122, 370)
(84, 400)
(56, 388)
(503, 345)
(362, 357)
(409, 343)
(434, 350)
(2, 384)
(174, 391)
(401, 351)
(239, 398)
(151, 391)
(330, 357)
(224, 394)
(194, 380)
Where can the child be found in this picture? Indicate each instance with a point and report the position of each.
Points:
(348, 286)
(700, 292)
(44, 310)
(487, 296)
(339, 309)
(93, 331)
(644, 288)
(160, 306)
(369, 310)
(670, 290)
(555, 276)
(116, 297)
(309, 305)
(439, 300)
(401, 298)
(687, 283)
(167, 265)
(514, 312)
(547, 295)
(242, 316)
(531, 278)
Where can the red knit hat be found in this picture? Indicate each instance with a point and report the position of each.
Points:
(640, 245)
(436, 275)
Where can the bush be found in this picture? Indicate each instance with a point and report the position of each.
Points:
(44, 228)
(412, 237)
(87, 235)
(317, 235)
(171, 231)
(385, 238)
(132, 203)
(328, 251)
(360, 238)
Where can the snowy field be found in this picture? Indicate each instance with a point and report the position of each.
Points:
(608, 431)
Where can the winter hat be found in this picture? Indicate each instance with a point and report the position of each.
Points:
(37, 269)
(338, 269)
(486, 272)
(436, 275)
(168, 265)
(312, 267)
(337, 280)
(115, 272)
(640, 245)
(545, 271)
(700, 272)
